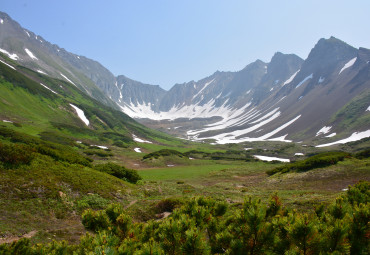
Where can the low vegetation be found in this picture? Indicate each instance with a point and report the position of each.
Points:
(206, 226)
(120, 172)
(316, 161)
(163, 153)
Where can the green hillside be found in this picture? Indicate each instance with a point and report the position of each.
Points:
(37, 109)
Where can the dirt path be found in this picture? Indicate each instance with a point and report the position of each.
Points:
(130, 204)
(11, 239)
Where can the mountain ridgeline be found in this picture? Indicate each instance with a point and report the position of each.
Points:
(321, 99)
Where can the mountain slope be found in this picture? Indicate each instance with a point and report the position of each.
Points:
(41, 104)
(285, 99)
(34, 52)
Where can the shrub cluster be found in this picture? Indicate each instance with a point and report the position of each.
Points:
(206, 226)
(98, 152)
(57, 151)
(129, 175)
(316, 161)
(163, 153)
(228, 155)
(12, 156)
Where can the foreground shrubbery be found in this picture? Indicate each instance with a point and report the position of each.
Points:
(206, 226)
(316, 161)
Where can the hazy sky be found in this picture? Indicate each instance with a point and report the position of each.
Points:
(174, 41)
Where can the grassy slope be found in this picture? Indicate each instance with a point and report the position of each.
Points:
(24, 100)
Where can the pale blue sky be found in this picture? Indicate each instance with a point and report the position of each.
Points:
(171, 41)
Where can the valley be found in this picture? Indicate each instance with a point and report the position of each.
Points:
(91, 163)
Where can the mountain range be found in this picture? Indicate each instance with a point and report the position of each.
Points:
(322, 99)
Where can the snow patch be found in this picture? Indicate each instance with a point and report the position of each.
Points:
(323, 131)
(7, 121)
(138, 150)
(40, 71)
(268, 135)
(291, 78)
(348, 64)
(331, 135)
(265, 116)
(205, 86)
(11, 56)
(354, 137)
(368, 109)
(266, 158)
(65, 77)
(304, 80)
(191, 111)
(321, 79)
(48, 88)
(247, 149)
(139, 140)
(298, 154)
(280, 139)
(100, 146)
(81, 114)
(27, 33)
(7, 64)
(1, 21)
(170, 165)
(29, 53)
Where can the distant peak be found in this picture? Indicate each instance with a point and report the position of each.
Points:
(332, 40)
(280, 56)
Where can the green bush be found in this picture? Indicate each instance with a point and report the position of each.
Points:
(120, 144)
(360, 193)
(98, 152)
(168, 205)
(163, 153)
(118, 171)
(95, 220)
(363, 154)
(12, 156)
(16, 124)
(113, 211)
(93, 201)
(320, 160)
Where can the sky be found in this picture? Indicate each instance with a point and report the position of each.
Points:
(165, 42)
